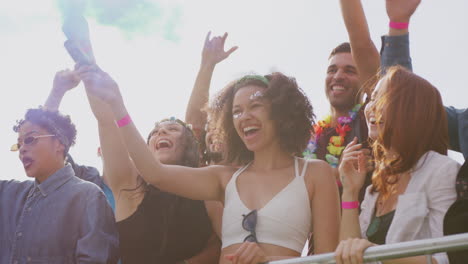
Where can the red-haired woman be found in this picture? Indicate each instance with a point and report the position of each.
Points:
(413, 184)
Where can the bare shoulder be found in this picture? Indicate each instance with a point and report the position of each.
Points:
(223, 172)
(318, 172)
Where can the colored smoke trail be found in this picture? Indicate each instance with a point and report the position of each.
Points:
(133, 17)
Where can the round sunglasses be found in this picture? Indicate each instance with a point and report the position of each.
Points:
(28, 141)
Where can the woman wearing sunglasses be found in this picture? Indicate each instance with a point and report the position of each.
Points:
(70, 214)
(271, 202)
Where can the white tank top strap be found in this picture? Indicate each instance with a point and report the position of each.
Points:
(296, 167)
(230, 187)
(284, 221)
(239, 171)
(304, 168)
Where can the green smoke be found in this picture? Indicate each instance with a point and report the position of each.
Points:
(133, 17)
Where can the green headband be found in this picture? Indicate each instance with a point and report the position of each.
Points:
(261, 78)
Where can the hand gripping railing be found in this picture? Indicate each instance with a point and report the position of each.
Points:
(393, 251)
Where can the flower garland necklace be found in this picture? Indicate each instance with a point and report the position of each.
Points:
(336, 144)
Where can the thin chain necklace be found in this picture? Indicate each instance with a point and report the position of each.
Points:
(392, 200)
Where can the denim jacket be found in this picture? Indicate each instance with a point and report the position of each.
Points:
(395, 51)
(61, 220)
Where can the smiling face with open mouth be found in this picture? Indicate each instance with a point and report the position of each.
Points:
(374, 115)
(43, 155)
(342, 81)
(251, 116)
(166, 142)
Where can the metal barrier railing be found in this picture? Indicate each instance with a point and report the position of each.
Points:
(393, 251)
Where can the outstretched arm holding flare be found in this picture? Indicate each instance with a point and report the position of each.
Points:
(212, 54)
(120, 172)
(193, 183)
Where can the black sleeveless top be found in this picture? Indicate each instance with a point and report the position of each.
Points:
(378, 228)
(148, 236)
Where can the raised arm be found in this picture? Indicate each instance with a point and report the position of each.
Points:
(395, 46)
(212, 54)
(198, 184)
(364, 52)
(64, 81)
(119, 172)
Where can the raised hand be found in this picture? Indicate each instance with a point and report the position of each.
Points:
(99, 84)
(353, 168)
(213, 49)
(401, 10)
(213, 53)
(64, 81)
(247, 253)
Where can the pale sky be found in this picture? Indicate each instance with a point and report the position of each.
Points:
(156, 67)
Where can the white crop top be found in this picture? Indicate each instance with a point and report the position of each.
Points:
(284, 221)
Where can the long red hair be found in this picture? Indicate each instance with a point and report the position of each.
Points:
(414, 122)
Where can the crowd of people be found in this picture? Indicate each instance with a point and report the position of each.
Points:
(249, 176)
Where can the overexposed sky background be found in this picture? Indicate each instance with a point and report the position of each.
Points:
(156, 65)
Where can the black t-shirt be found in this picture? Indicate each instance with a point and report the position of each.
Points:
(164, 229)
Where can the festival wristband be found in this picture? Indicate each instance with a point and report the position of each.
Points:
(338, 182)
(398, 25)
(124, 121)
(350, 205)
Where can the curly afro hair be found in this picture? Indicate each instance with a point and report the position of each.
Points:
(52, 121)
(291, 112)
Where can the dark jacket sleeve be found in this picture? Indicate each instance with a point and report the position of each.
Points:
(458, 129)
(395, 50)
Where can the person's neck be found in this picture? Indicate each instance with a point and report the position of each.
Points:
(339, 112)
(51, 171)
(271, 158)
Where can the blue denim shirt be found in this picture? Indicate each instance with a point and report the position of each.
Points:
(62, 220)
(91, 174)
(395, 51)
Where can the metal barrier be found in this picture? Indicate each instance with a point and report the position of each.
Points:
(393, 251)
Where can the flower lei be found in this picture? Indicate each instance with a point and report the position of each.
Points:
(336, 144)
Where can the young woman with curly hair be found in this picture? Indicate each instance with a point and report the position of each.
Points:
(271, 202)
(413, 184)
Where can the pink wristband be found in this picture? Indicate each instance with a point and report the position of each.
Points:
(338, 182)
(398, 25)
(124, 121)
(350, 205)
